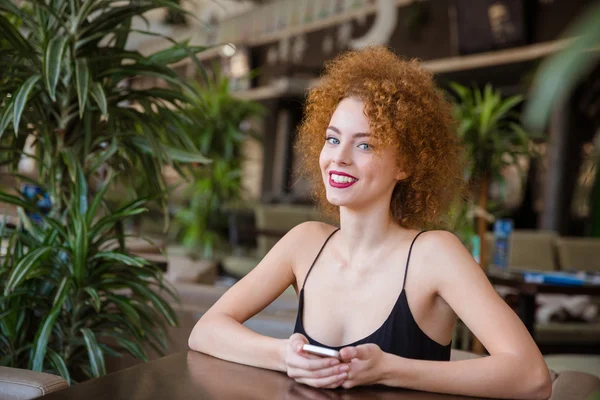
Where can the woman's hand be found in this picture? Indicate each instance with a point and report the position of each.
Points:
(365, 364)
(319, 372)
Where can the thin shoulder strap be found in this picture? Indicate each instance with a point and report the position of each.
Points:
(318, 254)
(408, 258)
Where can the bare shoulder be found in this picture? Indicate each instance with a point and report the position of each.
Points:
(442, 241)
(304, 241)
(311, 230)
(444, 254)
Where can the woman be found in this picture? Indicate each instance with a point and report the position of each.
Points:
(378, 142)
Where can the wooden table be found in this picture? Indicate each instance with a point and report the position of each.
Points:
(192, 375)
(527, 292)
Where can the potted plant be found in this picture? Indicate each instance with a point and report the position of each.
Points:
(71, 292)
(489, 127)
(220, 122)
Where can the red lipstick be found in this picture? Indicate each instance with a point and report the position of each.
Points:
(340, 185)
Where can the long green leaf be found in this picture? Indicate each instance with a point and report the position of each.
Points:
(81, 191)
(99, 96)
(8, 312)
(96, 302)
(41, 339)
(52, 63)
(14, 37)
(113, 17)
(94, 353)
(79, 245)
(125, 306)
(59, 365)
(21, 100)
(6, 118)
(161, 305)
(98, 198)
(82, 75)
(505, 107)
(134, 208)
(24, 267)
(134, 261)
(174, 54)
(10, 199)
(175, 154)
(63, 288)
(559, 73)
(104, 156)
(133, 348)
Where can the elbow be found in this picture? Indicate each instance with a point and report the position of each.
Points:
(194, 342)
(540, 384)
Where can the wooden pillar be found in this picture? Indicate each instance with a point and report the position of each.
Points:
(269, 139)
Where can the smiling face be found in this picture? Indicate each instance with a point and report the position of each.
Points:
(354, 174)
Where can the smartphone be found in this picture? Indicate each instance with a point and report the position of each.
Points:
(321, 351)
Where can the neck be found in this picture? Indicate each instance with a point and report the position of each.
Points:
(363, 233)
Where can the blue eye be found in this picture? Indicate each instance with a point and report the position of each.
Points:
(332, 140)
(367, 146)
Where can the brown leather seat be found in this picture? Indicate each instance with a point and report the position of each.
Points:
(22, 384)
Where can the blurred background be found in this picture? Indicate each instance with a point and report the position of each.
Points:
(157, 136)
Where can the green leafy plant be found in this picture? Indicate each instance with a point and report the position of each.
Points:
(557, 78)
(67, 80)
(490, 129)
(560, 73)
(68, 299)
(71, 293)
(221, 118)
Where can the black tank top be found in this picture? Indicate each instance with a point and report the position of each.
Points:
(399, 334)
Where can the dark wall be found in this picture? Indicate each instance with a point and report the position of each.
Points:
(427, 31)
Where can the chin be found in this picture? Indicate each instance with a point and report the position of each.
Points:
(337, 201)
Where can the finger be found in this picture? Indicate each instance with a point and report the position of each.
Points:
(312, 364)
(348, 353)
(322, 382)
(320, 373)
(348, 384)
(297, 341)
(365, 351)
(306, 354)
(335, 385)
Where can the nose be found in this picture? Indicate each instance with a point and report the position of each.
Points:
(343, 155)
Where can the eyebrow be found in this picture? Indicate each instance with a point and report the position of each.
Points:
(356, 135)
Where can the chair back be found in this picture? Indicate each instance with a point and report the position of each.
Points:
(578, 254)
(533, 250)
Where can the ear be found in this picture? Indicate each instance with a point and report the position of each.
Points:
(401, 175)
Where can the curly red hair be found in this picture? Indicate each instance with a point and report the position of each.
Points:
(405, 110)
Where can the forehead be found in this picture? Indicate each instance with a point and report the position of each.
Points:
(349, 116)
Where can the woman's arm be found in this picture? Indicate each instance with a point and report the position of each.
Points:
(515, 367)
(220, 332)
(499, 376)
